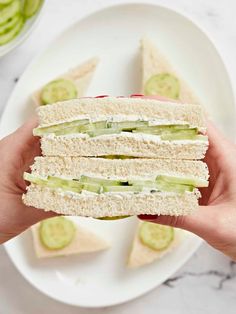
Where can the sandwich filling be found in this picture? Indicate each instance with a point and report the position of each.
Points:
(161, 183)
(163, 130)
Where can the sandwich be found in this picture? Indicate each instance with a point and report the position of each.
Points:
(132, 126)
(152, 242)
(160, 78)
(105, 188)
(72, 84)
(60, 236)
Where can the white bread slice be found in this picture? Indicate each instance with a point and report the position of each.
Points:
(80, 75)
(141, 255)
(108, 107)
(85, 241)
(111, 204)
(153, 63)
(101, 167)
(129, 144)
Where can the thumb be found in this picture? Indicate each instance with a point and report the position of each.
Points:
(200, 222)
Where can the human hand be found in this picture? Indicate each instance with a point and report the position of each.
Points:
(215, 220)
(17, 152)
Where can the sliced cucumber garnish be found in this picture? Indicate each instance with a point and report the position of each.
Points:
(93, 187)
(6, 27)
(33, 179)
(113, 218)
(101, 181)
(55, 183)
(56, 233)
(156, 237)
(31, 7)
(190, 134)
(128, 125)
(58, 90)
(100, 132)
(160, 129)
(58, 127)
(123, 188)
(173, 187)
(196, 182)
(9, 11)
(164, 84)
(12, 33)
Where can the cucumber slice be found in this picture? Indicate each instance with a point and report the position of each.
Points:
(152, 185)
(127, 125)
(63, 183)
(100, 181)
(173, 187)
(113, 218)
(12, 33)
(123, 188)
(7, 12)
(31, 7)
(196, 182)
(9, 24)
(58, 127)
(55, 183)
(91, 127)
(56, 233)
(164, 84)
(33, 179)
(180, 135)
(95, 188)
(100, 132)
(159, 129)
(58, 90)
(156, 237)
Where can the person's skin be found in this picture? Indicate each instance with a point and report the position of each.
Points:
(215, 220)
(17, 152)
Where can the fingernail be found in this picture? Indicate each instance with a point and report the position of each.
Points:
(148, 217)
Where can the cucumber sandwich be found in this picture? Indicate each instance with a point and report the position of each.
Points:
(160, 78)
(60, 236)
(103, 187)
(71, 84)
(134, 127)
(152, 242)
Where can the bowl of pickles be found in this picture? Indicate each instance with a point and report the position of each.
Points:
(17, 20)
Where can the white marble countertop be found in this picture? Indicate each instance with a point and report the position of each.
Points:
(207, 283)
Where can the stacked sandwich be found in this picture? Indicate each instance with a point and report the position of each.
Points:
(109, 157)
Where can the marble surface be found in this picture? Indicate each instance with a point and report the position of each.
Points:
(207, 283)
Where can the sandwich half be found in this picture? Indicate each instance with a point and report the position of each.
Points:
(71, 84)
(101, 187)
(160, 78)
(60, 236)
(134, 126)
(152, 242)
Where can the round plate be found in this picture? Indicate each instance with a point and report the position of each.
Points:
(113, 34)
(24, 33)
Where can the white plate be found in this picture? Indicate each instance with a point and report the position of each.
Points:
(24, 33)
(113, 34)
